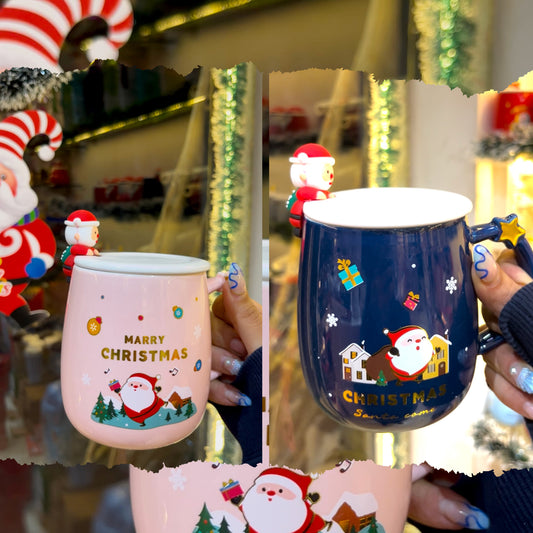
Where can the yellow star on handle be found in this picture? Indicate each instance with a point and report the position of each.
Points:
(511, 231)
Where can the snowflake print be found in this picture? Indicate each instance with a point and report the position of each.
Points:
(197, 331)
(451, 285)
(332, 320)
(177, 479)
(86, 380)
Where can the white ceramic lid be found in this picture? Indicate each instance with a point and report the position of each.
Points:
(142, 263)
(388, 207)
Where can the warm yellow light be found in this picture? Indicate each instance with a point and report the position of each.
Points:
(521, 166)
(385, 455)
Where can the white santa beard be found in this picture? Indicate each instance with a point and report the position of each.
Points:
(412, 360)
(12, 208)
(276, 516)
(137, 399)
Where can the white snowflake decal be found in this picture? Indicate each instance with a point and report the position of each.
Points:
(197, 331)
(177, 479)
(451, 285)
(86, 380)
(332, 320)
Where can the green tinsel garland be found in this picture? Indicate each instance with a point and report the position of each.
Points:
(20, 87)
(447, 36)
(387, 133)
(232, 127)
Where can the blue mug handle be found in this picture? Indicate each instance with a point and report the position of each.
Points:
(508, 231)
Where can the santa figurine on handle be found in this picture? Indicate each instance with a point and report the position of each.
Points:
(32, 32)
(312, 174)
(27, 244)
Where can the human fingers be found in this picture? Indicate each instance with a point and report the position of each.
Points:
(241, 311)
(440, 507)
(225, 394)
(510, 379)
(225, 336)
(492, 283)
(225, 362)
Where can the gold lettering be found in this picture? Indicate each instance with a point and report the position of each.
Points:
(105, 351)
(128, 339)
(184, 353)
(418, 396)
(347, 395)
(164, 355)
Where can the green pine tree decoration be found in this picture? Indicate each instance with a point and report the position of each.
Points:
(381, 381)
(179, 411)
(224, 526)
(373, 528)
(110, 411)
(122, 411)
(100, 409)
(204, 524)
(167, 418)
(189, 411)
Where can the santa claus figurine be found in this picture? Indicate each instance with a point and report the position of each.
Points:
(27, 244)
(410, 353)
(312, 174)
(279, 502)
(81, 234)
(32, 32)
(139, 396)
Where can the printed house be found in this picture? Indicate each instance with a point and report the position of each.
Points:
(439, 363)
(354, 512)
(354, 360)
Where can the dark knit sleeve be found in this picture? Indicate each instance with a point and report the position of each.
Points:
(246, 423)
(516, 322)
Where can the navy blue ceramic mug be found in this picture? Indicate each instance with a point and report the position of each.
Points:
(387, 314)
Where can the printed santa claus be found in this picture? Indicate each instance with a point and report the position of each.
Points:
(278, 502)
(410, 352)
(312, 174)
(139, 396)
(32, 32)
(81, 234)
(27, 244)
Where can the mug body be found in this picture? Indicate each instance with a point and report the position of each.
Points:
(387, 313)
(238, 498)
(136, 350)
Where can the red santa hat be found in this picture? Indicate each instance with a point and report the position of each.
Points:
(81, 218)
(312, 152)
(40, 28)
(17, 130)
(296, 483)
(395, 335)
(139, 376)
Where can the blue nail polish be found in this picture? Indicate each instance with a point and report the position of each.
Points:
(244, 401)
(480, 256)
(475, 518)
(233, 365)
(524, 380)
(234, 275)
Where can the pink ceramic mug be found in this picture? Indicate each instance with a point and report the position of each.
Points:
(136, 350)
(207, 497)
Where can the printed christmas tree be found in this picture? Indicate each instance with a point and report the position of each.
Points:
(204, 524)
(100, 409)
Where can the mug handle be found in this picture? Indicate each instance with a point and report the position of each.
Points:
(508, 231)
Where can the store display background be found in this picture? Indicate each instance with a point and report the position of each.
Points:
(508, 59)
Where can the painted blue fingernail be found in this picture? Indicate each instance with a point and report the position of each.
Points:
(236, 279)
(244, 401)
(482, 260)
(238, 398)
(523, 378)
(475, 518)
(464, 514)
(233, 366)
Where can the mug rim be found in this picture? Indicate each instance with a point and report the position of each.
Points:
(397, 207)
(142, 263)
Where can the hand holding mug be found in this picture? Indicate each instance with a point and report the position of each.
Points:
(496, 282)
(236, 327)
